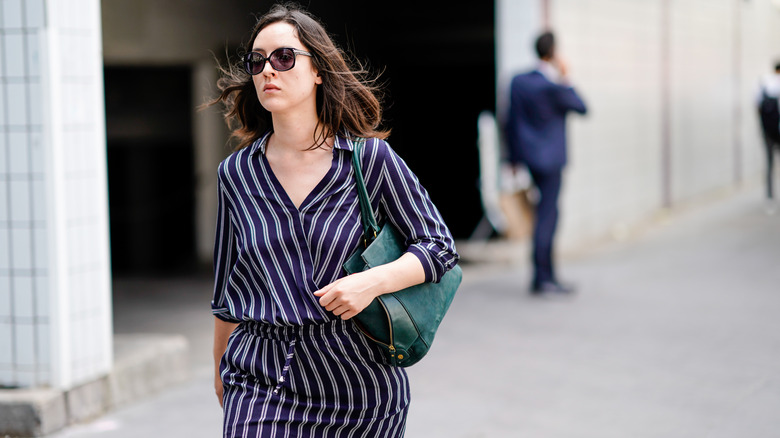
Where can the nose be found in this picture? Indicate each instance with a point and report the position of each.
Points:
(268, 69)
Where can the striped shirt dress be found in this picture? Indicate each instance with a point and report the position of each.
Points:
(291, 368)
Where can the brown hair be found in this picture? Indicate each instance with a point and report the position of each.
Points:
(347, 100)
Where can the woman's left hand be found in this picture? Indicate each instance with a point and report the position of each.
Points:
(348, 296)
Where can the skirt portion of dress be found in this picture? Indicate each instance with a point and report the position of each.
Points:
(310, 381)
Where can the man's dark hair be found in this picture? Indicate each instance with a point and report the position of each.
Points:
(545, 45)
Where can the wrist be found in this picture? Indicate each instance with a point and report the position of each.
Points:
(383, 281)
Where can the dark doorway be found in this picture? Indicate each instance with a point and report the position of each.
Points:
(438, 59)
(150, 169)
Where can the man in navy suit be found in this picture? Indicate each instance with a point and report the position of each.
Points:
(536, 138)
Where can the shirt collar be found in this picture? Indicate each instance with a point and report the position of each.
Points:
(343, 143)
(549, 71)
(258, 146)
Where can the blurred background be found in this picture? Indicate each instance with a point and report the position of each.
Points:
(108, 168)
(438, 64)
(671, 86)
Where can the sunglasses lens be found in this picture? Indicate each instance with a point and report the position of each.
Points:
(254, 63)
(282, 59)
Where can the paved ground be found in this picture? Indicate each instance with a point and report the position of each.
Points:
(674, 333)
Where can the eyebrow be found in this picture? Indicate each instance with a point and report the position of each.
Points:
(259, 49)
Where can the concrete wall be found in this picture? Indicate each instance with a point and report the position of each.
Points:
(191, 33)
(174, 31)
(55, 291)
(670, 88)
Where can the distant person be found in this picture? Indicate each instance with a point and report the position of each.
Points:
(289, 360)
(536, 137)
(769, 114)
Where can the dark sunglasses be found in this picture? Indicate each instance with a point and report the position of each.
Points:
(281, 59)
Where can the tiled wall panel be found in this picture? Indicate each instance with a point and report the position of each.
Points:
(24, 318)
(83, 187)
(54, 269)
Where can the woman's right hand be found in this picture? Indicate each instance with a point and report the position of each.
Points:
(222, 331)
(218, 388)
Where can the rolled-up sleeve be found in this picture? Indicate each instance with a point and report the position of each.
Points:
(410, 209)
(224, 256)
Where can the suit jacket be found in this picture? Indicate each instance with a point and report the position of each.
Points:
(536, 124)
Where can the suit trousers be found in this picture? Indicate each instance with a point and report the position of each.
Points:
(548, 184)
(771, 145)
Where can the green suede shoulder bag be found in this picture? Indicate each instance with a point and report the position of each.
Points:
(401, 323)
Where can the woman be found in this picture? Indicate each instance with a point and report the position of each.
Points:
(289, 360)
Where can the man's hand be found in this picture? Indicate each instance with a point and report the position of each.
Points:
(561, 65)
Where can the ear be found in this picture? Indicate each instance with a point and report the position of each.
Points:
(317, 78)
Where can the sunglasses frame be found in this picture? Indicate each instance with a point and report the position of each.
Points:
(247, 57)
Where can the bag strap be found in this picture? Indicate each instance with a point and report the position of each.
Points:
(370, 227)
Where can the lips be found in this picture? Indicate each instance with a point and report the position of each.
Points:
(270, 87)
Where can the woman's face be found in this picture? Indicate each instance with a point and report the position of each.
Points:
(287, 91)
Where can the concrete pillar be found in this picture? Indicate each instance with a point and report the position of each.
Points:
(55, 286)
(210, 142)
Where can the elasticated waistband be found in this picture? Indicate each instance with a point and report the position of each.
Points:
(294, 332)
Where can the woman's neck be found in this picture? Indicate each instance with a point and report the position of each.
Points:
(295, 132)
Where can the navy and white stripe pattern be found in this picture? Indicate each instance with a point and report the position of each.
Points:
(292, 368)
(317, 380)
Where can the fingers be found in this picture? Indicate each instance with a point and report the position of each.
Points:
(345, 297)
(331, 296)
(327, 300)
(324, 290)
(332, 302)
(344, 312)
(218, 390)
(325, 296)
(340, 310)
(339, 304)
(348, 315)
